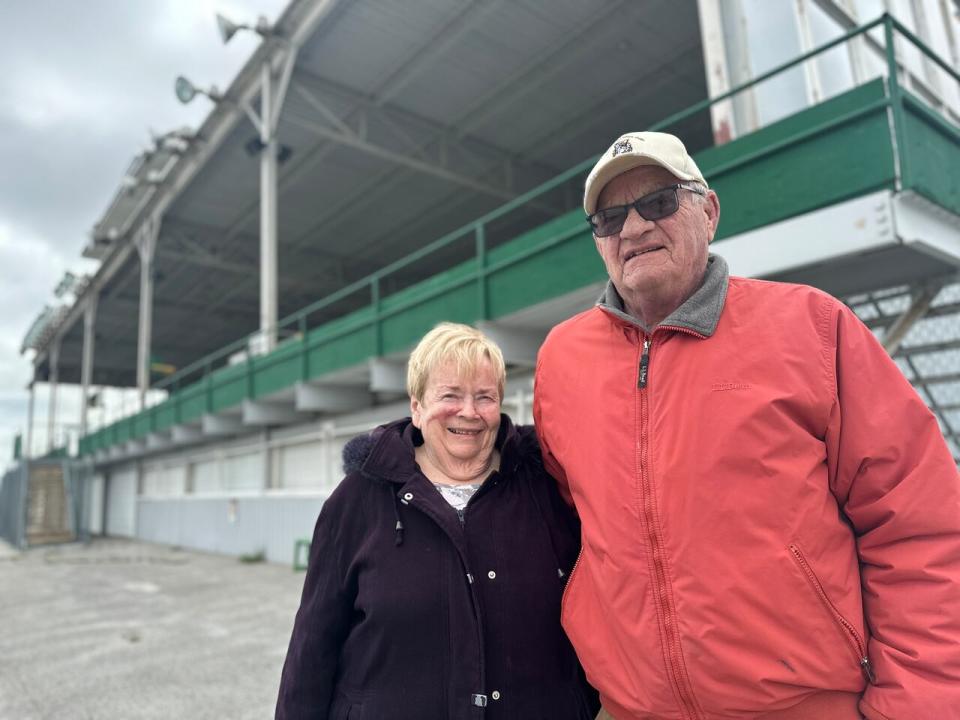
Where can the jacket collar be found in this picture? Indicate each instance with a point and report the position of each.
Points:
(392, 459)
(699, 314)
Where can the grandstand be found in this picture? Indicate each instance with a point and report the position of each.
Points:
(376, 167)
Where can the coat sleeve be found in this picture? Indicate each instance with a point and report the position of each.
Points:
(550, 461)
(320, 628)
(898, 484)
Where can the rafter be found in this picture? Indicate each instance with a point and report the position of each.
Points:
(553, 61)
(432, 47)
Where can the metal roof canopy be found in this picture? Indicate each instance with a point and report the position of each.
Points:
(404, 122)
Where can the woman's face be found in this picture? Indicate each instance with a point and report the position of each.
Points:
(459, 416)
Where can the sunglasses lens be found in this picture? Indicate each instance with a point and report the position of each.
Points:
(658, 204)
(608, 222)
(654, 206)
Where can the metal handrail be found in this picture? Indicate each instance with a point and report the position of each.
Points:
(371, 282)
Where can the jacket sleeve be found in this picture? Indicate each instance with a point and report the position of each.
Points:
(321, 625)
(898, 484)
(550, 461)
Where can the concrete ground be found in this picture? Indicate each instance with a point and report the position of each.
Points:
(123, 630)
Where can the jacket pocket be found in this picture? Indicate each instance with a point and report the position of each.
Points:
(851, 636)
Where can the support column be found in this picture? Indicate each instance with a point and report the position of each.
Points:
(272, 92)
(53, 381)
(146, 241)
(86, 368)
(29, 440)
(268, 213)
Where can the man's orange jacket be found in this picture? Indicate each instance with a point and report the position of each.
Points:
(771, 517)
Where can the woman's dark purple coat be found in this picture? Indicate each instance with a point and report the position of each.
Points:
(407, 615)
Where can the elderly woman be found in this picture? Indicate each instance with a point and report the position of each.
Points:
(438, 564)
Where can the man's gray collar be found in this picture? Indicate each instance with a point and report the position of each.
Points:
(701, 311)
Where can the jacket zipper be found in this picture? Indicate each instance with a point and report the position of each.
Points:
(675, 670)
(643, 373)
(644, 365)
(569, 584)
(849, 631)
(477, 699)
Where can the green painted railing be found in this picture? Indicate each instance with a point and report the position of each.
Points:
(771, 174)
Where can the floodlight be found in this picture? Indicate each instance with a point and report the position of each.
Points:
(187, 91)
(184, 89)
(228, 28)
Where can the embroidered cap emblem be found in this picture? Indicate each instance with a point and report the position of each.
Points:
(622, 146)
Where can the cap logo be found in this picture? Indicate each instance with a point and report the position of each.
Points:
(622, 146)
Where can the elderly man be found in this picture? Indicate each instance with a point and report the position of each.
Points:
(771, 518)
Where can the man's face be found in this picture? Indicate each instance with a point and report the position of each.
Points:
(652, 259)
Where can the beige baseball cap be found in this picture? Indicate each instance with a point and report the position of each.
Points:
(634, 149)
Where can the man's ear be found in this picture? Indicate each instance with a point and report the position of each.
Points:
(711, 206)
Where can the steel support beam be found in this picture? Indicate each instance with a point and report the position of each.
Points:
(183, 434)
(387, 376)
(159, 440)
(355, 142)
(330, 398)
(519, 346)
(918, 308)
(268, 215)
(86, 367)
(53, 381)
(221, 425)
(256, 412)
(133, 448)
(272, 92)
(146, 242)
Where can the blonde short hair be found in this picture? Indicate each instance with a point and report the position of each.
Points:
(452, 342)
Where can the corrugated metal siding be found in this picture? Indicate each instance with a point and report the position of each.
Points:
(234, 526)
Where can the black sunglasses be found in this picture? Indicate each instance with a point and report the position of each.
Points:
(658, 204)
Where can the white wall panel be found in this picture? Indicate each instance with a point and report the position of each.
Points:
(164, 481)
(122, 502)
(303, 466)
(94, 503)
(242, 526)
(206, 477)
(243, 472)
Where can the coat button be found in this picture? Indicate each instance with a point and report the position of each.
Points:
(408, 496)
(492, 575)
(495, 694)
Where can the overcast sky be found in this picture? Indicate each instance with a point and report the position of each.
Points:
(82, 83)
